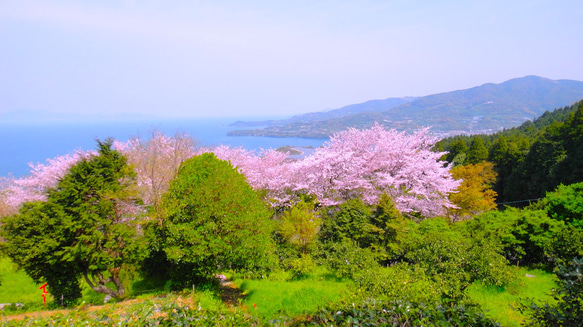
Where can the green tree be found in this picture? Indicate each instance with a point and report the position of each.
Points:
(505, 156)
(458, 149)
(214, 220)
(300, 226)
(36, 240)
(565, 204)
(526, 236)
(478, 151)
(389, 229)
(87, 226)
(570, 169)
(350, 221)
(530, 180)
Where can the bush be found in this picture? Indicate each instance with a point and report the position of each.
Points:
(346, 259)
(564, 204)
(402, 282)
(302, 266)
(372, 312)
(214, 220)
(525, 235)
(454, 262)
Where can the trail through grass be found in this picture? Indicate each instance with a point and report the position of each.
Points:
(498, 301)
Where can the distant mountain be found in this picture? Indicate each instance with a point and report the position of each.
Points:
(369, 106)
(482, 109)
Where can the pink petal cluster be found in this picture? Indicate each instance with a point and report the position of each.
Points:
(156, 161)
(354, 163)
(368, 163)
(268, 171)
(42, 177)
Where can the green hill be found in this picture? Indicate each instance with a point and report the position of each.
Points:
(483, 109)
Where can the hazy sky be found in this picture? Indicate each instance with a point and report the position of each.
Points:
(224, 58)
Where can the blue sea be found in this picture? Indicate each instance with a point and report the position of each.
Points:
(25, 143)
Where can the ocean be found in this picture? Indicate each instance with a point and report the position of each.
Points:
(25, 143)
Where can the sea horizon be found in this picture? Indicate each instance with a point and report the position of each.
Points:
(34, 142)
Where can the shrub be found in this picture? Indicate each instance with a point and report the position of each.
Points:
(302, 266)
(346, 259)
(525, 235)
(567, 244)
(402, 282)
(455, 262)
(214, 220)
(372, 312)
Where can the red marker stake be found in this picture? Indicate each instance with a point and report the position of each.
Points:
(45, 292)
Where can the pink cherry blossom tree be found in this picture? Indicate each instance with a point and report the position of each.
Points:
(269, 170)
(156, 161)
(368, 163)
(43, 176)
(354, 163)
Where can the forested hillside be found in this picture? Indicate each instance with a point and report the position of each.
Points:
(531, 159)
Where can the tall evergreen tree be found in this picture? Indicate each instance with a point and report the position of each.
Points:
(570, 169)
(506, 157)
(86, 227)
(530, 180)
(459, 150)
(478, 151)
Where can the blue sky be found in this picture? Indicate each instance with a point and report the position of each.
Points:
(225, 58)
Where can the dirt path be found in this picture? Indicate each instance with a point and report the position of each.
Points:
(86, 308)
(231, 295)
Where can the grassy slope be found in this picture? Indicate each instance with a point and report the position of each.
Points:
(270, 298)
(16, 286)
(498, 301)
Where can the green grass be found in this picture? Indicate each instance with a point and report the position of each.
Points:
(17, 287)
(498, 301)
(277, 296)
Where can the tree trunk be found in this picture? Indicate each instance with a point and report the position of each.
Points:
(100, 286)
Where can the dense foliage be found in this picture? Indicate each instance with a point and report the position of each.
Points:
(213, 220)
(87, 226)
(399, 313)
(531, 159)
(474, 195)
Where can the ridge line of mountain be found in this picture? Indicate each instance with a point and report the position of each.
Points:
(481, 109)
